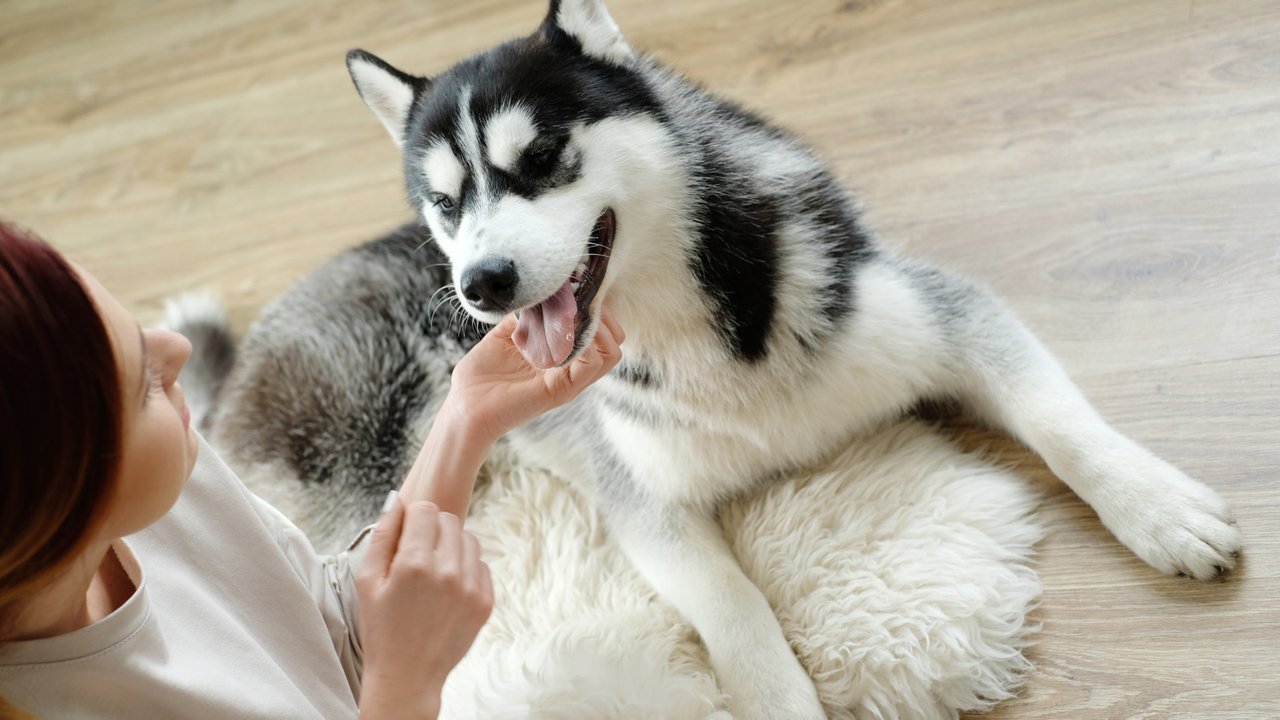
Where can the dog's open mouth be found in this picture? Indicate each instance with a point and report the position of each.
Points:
(549, 333)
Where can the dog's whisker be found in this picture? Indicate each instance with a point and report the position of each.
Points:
(450, 296)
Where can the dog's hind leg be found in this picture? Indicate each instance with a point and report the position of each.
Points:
(1172, 522)
(685, 557)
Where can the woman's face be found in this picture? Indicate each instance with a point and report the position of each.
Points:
(159, 446)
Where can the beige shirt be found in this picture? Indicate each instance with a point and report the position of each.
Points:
(234, 616)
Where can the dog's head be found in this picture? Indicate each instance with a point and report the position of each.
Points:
(520, 160)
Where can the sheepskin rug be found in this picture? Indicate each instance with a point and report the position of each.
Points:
(899, 572)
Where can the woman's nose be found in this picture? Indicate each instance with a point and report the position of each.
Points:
(172, 349)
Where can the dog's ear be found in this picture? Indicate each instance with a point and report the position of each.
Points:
(388, 92)
(587, 22)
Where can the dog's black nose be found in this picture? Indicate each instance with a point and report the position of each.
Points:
(490, 284)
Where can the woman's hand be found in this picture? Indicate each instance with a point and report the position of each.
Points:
(424, 595)
(495, 389)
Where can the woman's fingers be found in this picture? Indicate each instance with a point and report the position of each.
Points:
(611, 346)
(606, 317)
(382, 545)
(418, 621)
(472, 566)
(608, 344)
(470, 552)
(448, 550)
(478, 582)
(585, 369)
(610, 338)
(604, 354)
(419, 536)
(504, 328)
(486, 583)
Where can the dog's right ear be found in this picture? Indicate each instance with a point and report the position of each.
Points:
(388, 92)
(588, 23)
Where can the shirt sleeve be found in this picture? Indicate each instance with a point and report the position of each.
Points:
(330, 579)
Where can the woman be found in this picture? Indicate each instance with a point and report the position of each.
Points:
(215, 605)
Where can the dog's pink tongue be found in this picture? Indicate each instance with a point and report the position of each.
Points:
(544, 333)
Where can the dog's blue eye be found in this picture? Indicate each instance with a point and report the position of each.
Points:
(442, 201)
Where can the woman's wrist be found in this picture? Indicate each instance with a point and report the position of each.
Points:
(466, 423)
(445, 470)
(379, 701)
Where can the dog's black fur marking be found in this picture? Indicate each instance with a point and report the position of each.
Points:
(547, 74)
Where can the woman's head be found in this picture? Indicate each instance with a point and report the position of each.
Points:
(94, 441)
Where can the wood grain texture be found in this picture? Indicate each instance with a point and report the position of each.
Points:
(1110, 168)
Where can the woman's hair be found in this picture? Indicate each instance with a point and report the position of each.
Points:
(61, 416)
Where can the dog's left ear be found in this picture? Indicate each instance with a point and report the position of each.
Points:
(388, 92)
(588, 23)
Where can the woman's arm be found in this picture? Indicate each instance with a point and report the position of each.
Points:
(493, 391)
(424, 592)
(444, 472)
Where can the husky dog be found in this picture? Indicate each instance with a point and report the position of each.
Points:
(561, 172)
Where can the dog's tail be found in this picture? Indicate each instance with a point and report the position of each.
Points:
(202, 319)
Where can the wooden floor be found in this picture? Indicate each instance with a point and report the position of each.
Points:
(1111, 167)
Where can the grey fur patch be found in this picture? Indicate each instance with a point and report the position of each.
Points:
(340, 377)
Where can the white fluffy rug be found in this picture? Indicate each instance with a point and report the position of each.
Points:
(899, 572)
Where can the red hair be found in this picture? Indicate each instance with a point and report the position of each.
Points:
(61, 416)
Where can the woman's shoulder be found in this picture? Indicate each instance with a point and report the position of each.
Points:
(217, 524)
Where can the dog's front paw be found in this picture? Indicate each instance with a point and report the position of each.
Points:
(1177, 525)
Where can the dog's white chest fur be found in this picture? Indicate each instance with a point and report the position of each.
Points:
(712, 426)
